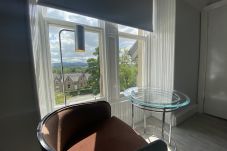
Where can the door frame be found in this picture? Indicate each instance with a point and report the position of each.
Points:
(204, 52)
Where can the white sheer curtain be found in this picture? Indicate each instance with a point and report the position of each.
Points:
(160, 45)
(159, 55)
(42, 60)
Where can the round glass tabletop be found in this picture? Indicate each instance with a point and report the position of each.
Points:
(156, 98)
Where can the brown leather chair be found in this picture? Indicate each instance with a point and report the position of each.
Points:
(90, 127)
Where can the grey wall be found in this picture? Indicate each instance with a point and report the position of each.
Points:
(19, 113)
(187, 49)
(200, 4)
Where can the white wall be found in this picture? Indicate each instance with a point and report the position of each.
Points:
(19, 113)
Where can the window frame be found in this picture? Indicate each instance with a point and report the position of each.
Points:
(103, 55)
(72, 25)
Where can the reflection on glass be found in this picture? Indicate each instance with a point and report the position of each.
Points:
(81, 69)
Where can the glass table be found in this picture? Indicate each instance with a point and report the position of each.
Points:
(158, 100)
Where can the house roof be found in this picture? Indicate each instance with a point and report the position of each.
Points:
(73, 76)
(133, 50)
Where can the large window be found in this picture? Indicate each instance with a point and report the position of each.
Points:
(82, 78)
(97, 72)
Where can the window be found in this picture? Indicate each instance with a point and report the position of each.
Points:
(82, 75)
(127, 63)
(97, 71)
(131, 49)
(130, 62)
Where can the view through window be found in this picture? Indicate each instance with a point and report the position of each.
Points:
(130, 62)
(81, 69)
(127, 63)
(131, 49)
(84, 72)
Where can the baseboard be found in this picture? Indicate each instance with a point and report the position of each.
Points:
(179, 116)
(184, 114)
(158, 115)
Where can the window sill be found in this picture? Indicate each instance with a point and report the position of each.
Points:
(78, 102)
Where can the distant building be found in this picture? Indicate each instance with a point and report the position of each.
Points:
(57, 83)
(82, 81)
(69, 84)
(73, 81)
(133, 51)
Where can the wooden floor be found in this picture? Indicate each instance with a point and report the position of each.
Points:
(199, 133)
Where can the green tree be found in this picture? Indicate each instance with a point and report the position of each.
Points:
(94, 71)
(127, 70)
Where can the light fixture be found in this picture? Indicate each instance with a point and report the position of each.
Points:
(79, 39)
(79, 47)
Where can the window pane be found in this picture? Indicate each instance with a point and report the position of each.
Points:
(81, 69)
(130, 63)
(72, 17)
(127, 29)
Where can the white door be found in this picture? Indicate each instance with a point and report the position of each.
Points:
(216, 75)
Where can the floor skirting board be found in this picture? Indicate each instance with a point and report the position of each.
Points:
(178, 116)
(182, 115)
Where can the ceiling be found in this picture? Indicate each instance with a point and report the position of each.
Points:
(200, 4)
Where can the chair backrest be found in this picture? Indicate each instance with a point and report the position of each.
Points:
(63, 126)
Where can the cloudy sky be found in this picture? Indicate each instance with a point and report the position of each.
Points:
(67, 38)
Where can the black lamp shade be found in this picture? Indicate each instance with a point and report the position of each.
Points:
(79, 39)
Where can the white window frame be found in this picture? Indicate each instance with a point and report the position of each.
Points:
(72, 25)
(107, 84)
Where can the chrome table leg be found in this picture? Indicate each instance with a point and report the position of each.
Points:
(144, 122)
(163, 123)
(170, 128)
(132, 116)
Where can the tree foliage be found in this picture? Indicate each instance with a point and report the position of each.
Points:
(127, 70)
(94, 70)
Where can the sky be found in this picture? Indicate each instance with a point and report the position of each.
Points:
(67, 38)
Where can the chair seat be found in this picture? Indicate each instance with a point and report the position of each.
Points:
(113, 135)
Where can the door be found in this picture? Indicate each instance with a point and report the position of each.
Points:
(216, 73)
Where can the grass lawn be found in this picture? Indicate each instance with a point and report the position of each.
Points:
(59, 98)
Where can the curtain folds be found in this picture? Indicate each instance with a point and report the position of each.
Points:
(42, 64)
(160, 50)
(159, 55)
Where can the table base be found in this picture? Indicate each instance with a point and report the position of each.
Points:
(171, 143)
(153, 133)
